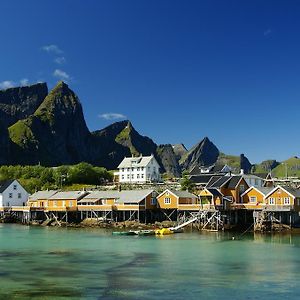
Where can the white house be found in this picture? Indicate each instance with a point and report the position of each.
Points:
(140, 169)
(12, 194)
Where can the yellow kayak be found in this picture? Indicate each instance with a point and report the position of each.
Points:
(163, 231)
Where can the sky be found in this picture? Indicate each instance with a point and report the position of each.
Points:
(179, 70)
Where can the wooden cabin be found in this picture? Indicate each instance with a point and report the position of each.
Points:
(283, 198)
(39, 200)
(170, 202)
(65, 201)
(254, 198)
(211, 197)
(134, 204)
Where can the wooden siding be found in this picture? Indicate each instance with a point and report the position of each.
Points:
(173, 201)
(235, 193)
(278, 195)
(253, 193)
(101, 207)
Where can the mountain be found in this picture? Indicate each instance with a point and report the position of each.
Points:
(289, 167)
(55, 134)
(167, 159)
(235, 162)
(179, 151)
(4, 145)
(20, 102)
(265, 166)
(204, 153)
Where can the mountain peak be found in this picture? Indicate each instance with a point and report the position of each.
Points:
(204, 153)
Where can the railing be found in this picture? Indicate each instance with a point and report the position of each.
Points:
(102, 207)
(260, 206)
(128, 207)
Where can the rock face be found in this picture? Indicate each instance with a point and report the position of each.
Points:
(203, 154)
(56, 134)
(168, 160)
(245, 164)
(37, 127)
(21, 102)
(4, 145)
(179, 150)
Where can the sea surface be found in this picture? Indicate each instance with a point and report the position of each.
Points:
(61, 263)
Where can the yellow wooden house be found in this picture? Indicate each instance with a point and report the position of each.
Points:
(39, 200)
(211, 197)
(283, 198)
(254, 198)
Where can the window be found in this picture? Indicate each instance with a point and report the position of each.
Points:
(10, 195)
(153, 201)
(128, 169)
(128, 176)
(54, 203)
(15, 186)
(167, 201)
(19, 195)
(271, 201)
(142, 168)
(242, 188)
(138, 168)
(253, 199)
(70, 203)
(138, 176)
(154, 169)
(123, 176)
(132, 169)
(122, 169)
(167, 194)
(63, 203)
(142, 175)
(132, 176)
(104, 201)
(286, 201)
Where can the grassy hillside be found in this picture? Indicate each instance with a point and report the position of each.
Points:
(290, 166)
(230, 160)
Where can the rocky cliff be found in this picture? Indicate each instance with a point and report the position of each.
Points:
(204, 153)
(21, 102)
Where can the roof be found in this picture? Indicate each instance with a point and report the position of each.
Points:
(263, 190)
(179, 194)
(68, 195)
(294, 192)
(213, 180)
(5, 184)
(219, 182)
(133, 196)
(201, 178)
(234, 181)
(215, 192)
(42, 195)
(141, 161)
(97, 195)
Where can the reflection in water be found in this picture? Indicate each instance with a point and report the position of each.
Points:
(39, 263)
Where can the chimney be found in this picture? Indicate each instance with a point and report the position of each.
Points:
(242, 172)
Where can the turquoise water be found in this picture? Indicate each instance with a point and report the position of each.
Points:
(57, 263)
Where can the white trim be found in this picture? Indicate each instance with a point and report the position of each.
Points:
(249, 189)
(279, 187)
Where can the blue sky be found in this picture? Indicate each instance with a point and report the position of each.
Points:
(179, 70)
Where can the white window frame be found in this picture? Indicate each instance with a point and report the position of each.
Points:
(286, 201)
(153, 201)
(167, 200)
(253, 199)
(15, 187)
(271, 201)
(10, 195)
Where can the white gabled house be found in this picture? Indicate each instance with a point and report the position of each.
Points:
(140, 169)
(12, 193)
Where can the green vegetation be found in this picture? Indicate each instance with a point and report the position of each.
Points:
(289, 167)
(186, 183)
(124, 138)
(265, 166)
(69, 177)
(21, 131)
(230, 160)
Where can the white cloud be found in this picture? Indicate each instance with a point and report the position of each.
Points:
(61, 74)
(24, 82)
(60, 60)
(52, 49)
(112, 116)
(7, 84)
(267, 32)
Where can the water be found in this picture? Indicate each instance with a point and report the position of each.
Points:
(57, 263)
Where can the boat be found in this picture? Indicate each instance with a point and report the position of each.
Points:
(146, 232)
(163, 231)
(131, 232)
